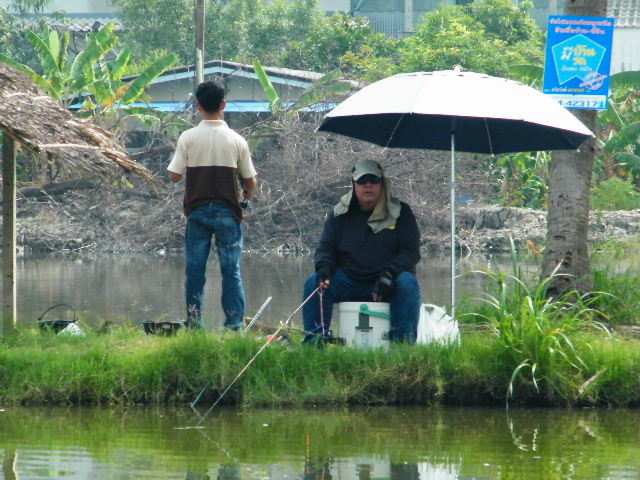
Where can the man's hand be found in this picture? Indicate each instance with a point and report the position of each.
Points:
(383, 289)
(324, 278)
(249, 187)
(175, 177)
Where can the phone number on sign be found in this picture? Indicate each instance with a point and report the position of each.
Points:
(583, 103)
(592, 102)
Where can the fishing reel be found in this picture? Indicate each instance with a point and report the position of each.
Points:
(322, 339)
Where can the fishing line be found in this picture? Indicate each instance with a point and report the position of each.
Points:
(244, 332)
(320, 292)
(270, 338)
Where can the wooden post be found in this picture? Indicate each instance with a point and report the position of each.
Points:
(199, 17)
(9, 312)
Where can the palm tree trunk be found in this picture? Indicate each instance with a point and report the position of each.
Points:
(570, 180)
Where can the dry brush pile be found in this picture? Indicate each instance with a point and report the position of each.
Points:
(301, 176)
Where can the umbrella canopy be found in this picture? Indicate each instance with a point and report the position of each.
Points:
(454, 110)
(487, 114)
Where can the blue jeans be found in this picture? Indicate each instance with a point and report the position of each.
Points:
(203, 223)
(404, 305)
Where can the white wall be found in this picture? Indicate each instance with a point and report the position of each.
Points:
(334, 5)
(75, 6)
(626, 54)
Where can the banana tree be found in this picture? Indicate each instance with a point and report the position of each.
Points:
(89, 78)
(326, 86)
(620, 126)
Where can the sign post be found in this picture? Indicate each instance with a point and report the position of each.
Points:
(578, 61)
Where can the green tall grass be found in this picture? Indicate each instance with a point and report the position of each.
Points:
(128, 367)
(622, 303)
(536, 332)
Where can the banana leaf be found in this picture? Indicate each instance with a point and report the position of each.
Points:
(142, 81)
(267, 87)
(118, 66)
(626, 80)
(98, 45)
(629, 135)
(629, 160)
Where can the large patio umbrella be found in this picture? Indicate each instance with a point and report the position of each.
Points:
(454, 110)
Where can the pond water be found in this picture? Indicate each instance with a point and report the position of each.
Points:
(132, 288)
(380, 443)
(122, 288)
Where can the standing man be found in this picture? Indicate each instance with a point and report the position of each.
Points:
(368, 251)
(213, 157)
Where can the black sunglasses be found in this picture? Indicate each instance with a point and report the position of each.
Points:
(372, 179)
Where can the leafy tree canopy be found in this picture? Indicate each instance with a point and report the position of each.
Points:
(487, 36)
(291, 34)
(26, 6)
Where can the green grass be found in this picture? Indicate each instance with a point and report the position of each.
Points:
(533, 351)
(127, 367)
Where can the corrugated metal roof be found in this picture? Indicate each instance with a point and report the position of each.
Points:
(626, 12)
(286, 76)
(86, 24)
(76, 22)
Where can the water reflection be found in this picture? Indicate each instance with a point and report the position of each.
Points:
(134, 288)
(130, 289)
(381, 443)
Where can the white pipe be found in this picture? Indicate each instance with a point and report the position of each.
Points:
(453, 224)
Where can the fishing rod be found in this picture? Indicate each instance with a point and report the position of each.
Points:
(256, 316)
(244, 332)
(270, 338)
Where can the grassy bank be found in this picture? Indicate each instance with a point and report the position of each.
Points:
(531, 350)
(128, 367)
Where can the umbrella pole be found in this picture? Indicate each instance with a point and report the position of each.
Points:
(453, 225)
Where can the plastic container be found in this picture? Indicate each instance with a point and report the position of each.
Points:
(160, 327)
(56, 325)
(364, 324)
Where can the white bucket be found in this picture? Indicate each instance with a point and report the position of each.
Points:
(371, 332)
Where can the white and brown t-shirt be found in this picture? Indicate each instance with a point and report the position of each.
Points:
(212, 155)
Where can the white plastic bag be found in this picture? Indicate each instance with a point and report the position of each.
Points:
(435, 325)
(72, 329)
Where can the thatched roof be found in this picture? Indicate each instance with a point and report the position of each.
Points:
(40, 124)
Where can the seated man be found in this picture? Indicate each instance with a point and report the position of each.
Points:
(368, 251)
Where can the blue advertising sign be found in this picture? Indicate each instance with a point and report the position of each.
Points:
(578, 61)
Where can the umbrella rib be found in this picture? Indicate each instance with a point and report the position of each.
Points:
(486, 126)
(394, 130)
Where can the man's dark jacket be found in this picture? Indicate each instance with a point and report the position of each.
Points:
(348, 242)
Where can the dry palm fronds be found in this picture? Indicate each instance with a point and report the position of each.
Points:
(44, 126)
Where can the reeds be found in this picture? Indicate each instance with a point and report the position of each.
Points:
(536, 332)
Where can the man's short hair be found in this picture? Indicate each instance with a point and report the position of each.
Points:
(210, 95)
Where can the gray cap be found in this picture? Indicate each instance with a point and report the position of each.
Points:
(366, 167)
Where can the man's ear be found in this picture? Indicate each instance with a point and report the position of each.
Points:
(223, 105)
(199, 107)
